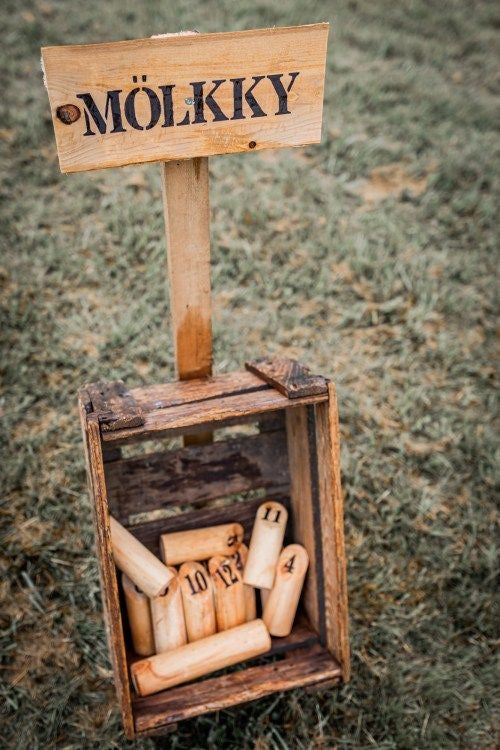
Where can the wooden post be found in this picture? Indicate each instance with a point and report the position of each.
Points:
(187, 225)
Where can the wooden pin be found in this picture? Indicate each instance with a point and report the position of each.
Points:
(134, 559)
(139, 618)
(229, 592)
(240, 558)
(265, 544)
(283, 599)
(200, 544)
(197, 659)
(198, 601)
(264, 596)
(167, 615)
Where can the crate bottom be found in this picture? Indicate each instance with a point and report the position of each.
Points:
(302, 662)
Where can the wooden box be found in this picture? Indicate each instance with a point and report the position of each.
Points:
(275, 435)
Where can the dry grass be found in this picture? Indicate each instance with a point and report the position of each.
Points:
(372, 257)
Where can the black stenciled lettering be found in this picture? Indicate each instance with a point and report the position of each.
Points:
(212, 104)
(130, 112)
(199, 580)
(250, 99)
(276, 517)
(91, 108)
(237, 560)
(232, 578)
(168, 105)
(281, 92)
(289, 565)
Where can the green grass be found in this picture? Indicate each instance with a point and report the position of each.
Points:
(395, 299)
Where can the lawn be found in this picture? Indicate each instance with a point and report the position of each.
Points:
(371, 257)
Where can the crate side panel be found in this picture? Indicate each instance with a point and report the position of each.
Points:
(109, 584)
(301, 494)
(197, 474)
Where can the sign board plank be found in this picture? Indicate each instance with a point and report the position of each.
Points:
(183, 96)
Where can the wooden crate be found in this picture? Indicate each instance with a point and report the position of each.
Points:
(276, 436)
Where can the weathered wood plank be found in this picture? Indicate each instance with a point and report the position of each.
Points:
(107, 572)
(243, 512)
(300, 668)
(184, 96)
(207, 414)
(288, 376)
(303, 521)
(176, 393)
(187, 227)
(114, 406)
(196, 474)
(332, 531)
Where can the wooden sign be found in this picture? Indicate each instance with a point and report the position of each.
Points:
(187, 95)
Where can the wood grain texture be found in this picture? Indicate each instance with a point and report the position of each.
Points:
(177, 392)
(197, 474)
(107, 570)
(300, 668)
(200, 657)
(187, 227)
(210, 413)
(97, 69)
(332, 531)
(113, 404)
(288, 376)
(304, 530)
(177, 547)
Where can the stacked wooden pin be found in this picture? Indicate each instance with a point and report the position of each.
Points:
(196, 611)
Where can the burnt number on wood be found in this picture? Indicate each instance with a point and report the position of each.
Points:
(231, 540)
(289, 565)
(199, 580)
(227, 569)
(276, 517)
(237, 560)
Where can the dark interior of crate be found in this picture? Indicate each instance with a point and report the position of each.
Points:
(202, 485)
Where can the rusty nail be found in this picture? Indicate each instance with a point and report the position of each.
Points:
(68, 113)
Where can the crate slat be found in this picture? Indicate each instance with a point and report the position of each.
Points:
(209, 413)
(197, 474)
(302, 667)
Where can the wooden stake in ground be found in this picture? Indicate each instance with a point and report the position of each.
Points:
(265, 545)
(134, 559)
(139, 618)
(196, 659)
(167, 615)
(229, 592)
(197, 600)
(281, 604)
(240, 558)
(200, 544)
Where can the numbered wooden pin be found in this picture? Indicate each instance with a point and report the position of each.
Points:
(167, 615)
(229, 592)
(197, 659)
(283, 599)
(200, 544)
(240, 558)
(265, 545)
(139, 618)
(136, 561)
(197, 600)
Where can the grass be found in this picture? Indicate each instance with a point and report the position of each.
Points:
(382, 278)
